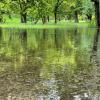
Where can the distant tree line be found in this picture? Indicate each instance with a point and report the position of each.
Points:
(50, 9)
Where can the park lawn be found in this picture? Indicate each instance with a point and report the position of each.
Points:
(51, 24)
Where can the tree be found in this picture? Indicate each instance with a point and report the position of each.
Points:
(56, 8)
(44, 10)
(88, 9)
(5, 9)
(22, 6)
(41, 9)
(77, 8)
(47, 9)
(97, 11)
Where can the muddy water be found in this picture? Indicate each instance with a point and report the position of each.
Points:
(50, 64)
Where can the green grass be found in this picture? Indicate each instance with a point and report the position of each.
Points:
(15, 23)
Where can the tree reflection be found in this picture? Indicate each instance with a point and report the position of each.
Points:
(45, 64)
(94, 58)
(58, 38)
(95, 44)
(0, 34)
(19, 78)
(96, 39)
(23, 37)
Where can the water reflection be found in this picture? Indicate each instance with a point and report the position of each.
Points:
(23, 37)
(96, 39)
(0, 34)
(48, 64)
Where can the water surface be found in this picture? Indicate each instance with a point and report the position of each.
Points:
(49, 64)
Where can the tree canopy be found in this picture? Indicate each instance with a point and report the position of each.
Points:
(47, 10)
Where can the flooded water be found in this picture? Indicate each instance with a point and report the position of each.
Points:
(50, 64)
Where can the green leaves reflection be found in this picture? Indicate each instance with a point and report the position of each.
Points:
(30, 57)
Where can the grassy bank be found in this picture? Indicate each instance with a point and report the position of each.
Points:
(51, 24)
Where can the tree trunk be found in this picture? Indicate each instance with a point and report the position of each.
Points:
(55, 14)
(33, 19)
(97, 12)
(58, 3)
(76, 17)
(23, 17)
(89, 17)
(48, 18)
(1, 34)
(36, 21)
(1, 18)
(44, 20)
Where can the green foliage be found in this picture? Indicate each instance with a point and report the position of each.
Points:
(45, 9)
(4, 9)
(88, 9)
